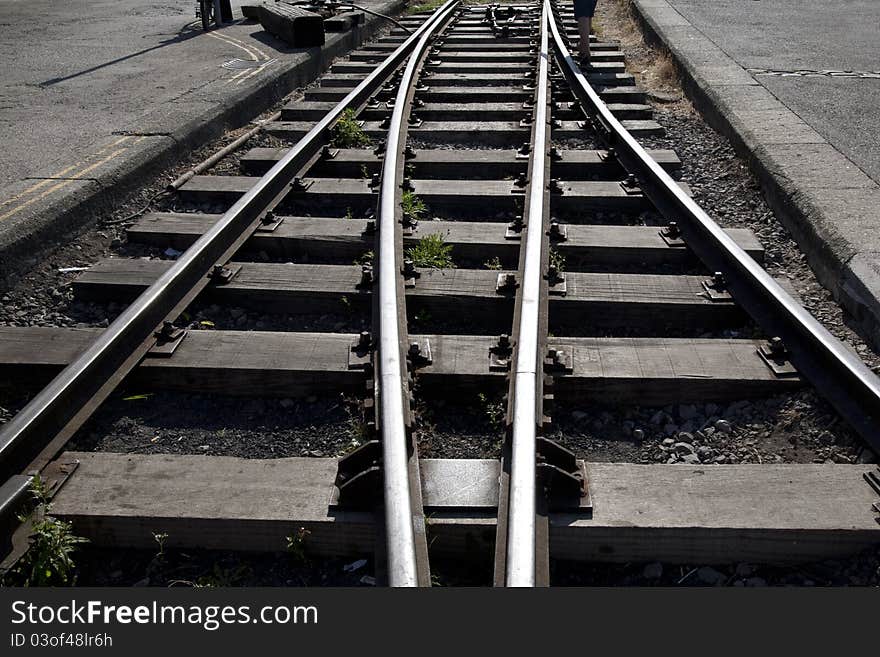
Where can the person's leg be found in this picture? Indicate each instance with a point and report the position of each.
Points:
(583, 13)
(585, 23)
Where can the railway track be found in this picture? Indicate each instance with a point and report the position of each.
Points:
(584, 271)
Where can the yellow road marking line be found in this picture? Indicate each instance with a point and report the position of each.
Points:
(62, 184)
(228, 41)
(256, 55)
(237, 75)
(48, 179)
(253, 72)
(37, 186)
(247, 45)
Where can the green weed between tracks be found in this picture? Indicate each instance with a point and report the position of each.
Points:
(413, 207)
(431, 251)
(49, 559)
(557, 260)
(348, 133)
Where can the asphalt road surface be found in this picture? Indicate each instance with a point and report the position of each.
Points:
(79, 71)
(797, 34)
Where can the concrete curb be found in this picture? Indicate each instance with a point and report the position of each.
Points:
(155, 146)
(824, 199)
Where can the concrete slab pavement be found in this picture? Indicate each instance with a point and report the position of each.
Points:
(98, 94)
(795, 88)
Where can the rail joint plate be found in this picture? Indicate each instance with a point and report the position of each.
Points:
(562, 476)
(359, 477)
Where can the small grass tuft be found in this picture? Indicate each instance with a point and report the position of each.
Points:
(664, 71)
(221, 577)
(431, 251)
(412, 205)
(493, 408)
(296, 545)
(494, 263)
(49, 559)
(423, 6)
(557, 260)
(348, 133)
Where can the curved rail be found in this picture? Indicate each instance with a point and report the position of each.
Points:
(517, 530)
(31, 438)
(840, 376)
(401, 485)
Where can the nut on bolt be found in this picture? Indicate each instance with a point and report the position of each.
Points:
(168, 331)
(298, 185)
(365, 341)
(776, 346)
(672, 231)
(506, 282)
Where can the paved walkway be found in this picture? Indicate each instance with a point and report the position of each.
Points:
(795, 85)
(98, 92)
(792, 35)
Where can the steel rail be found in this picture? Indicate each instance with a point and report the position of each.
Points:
(840, 376)
(33, 436)
(526, 377)
(401, 484)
